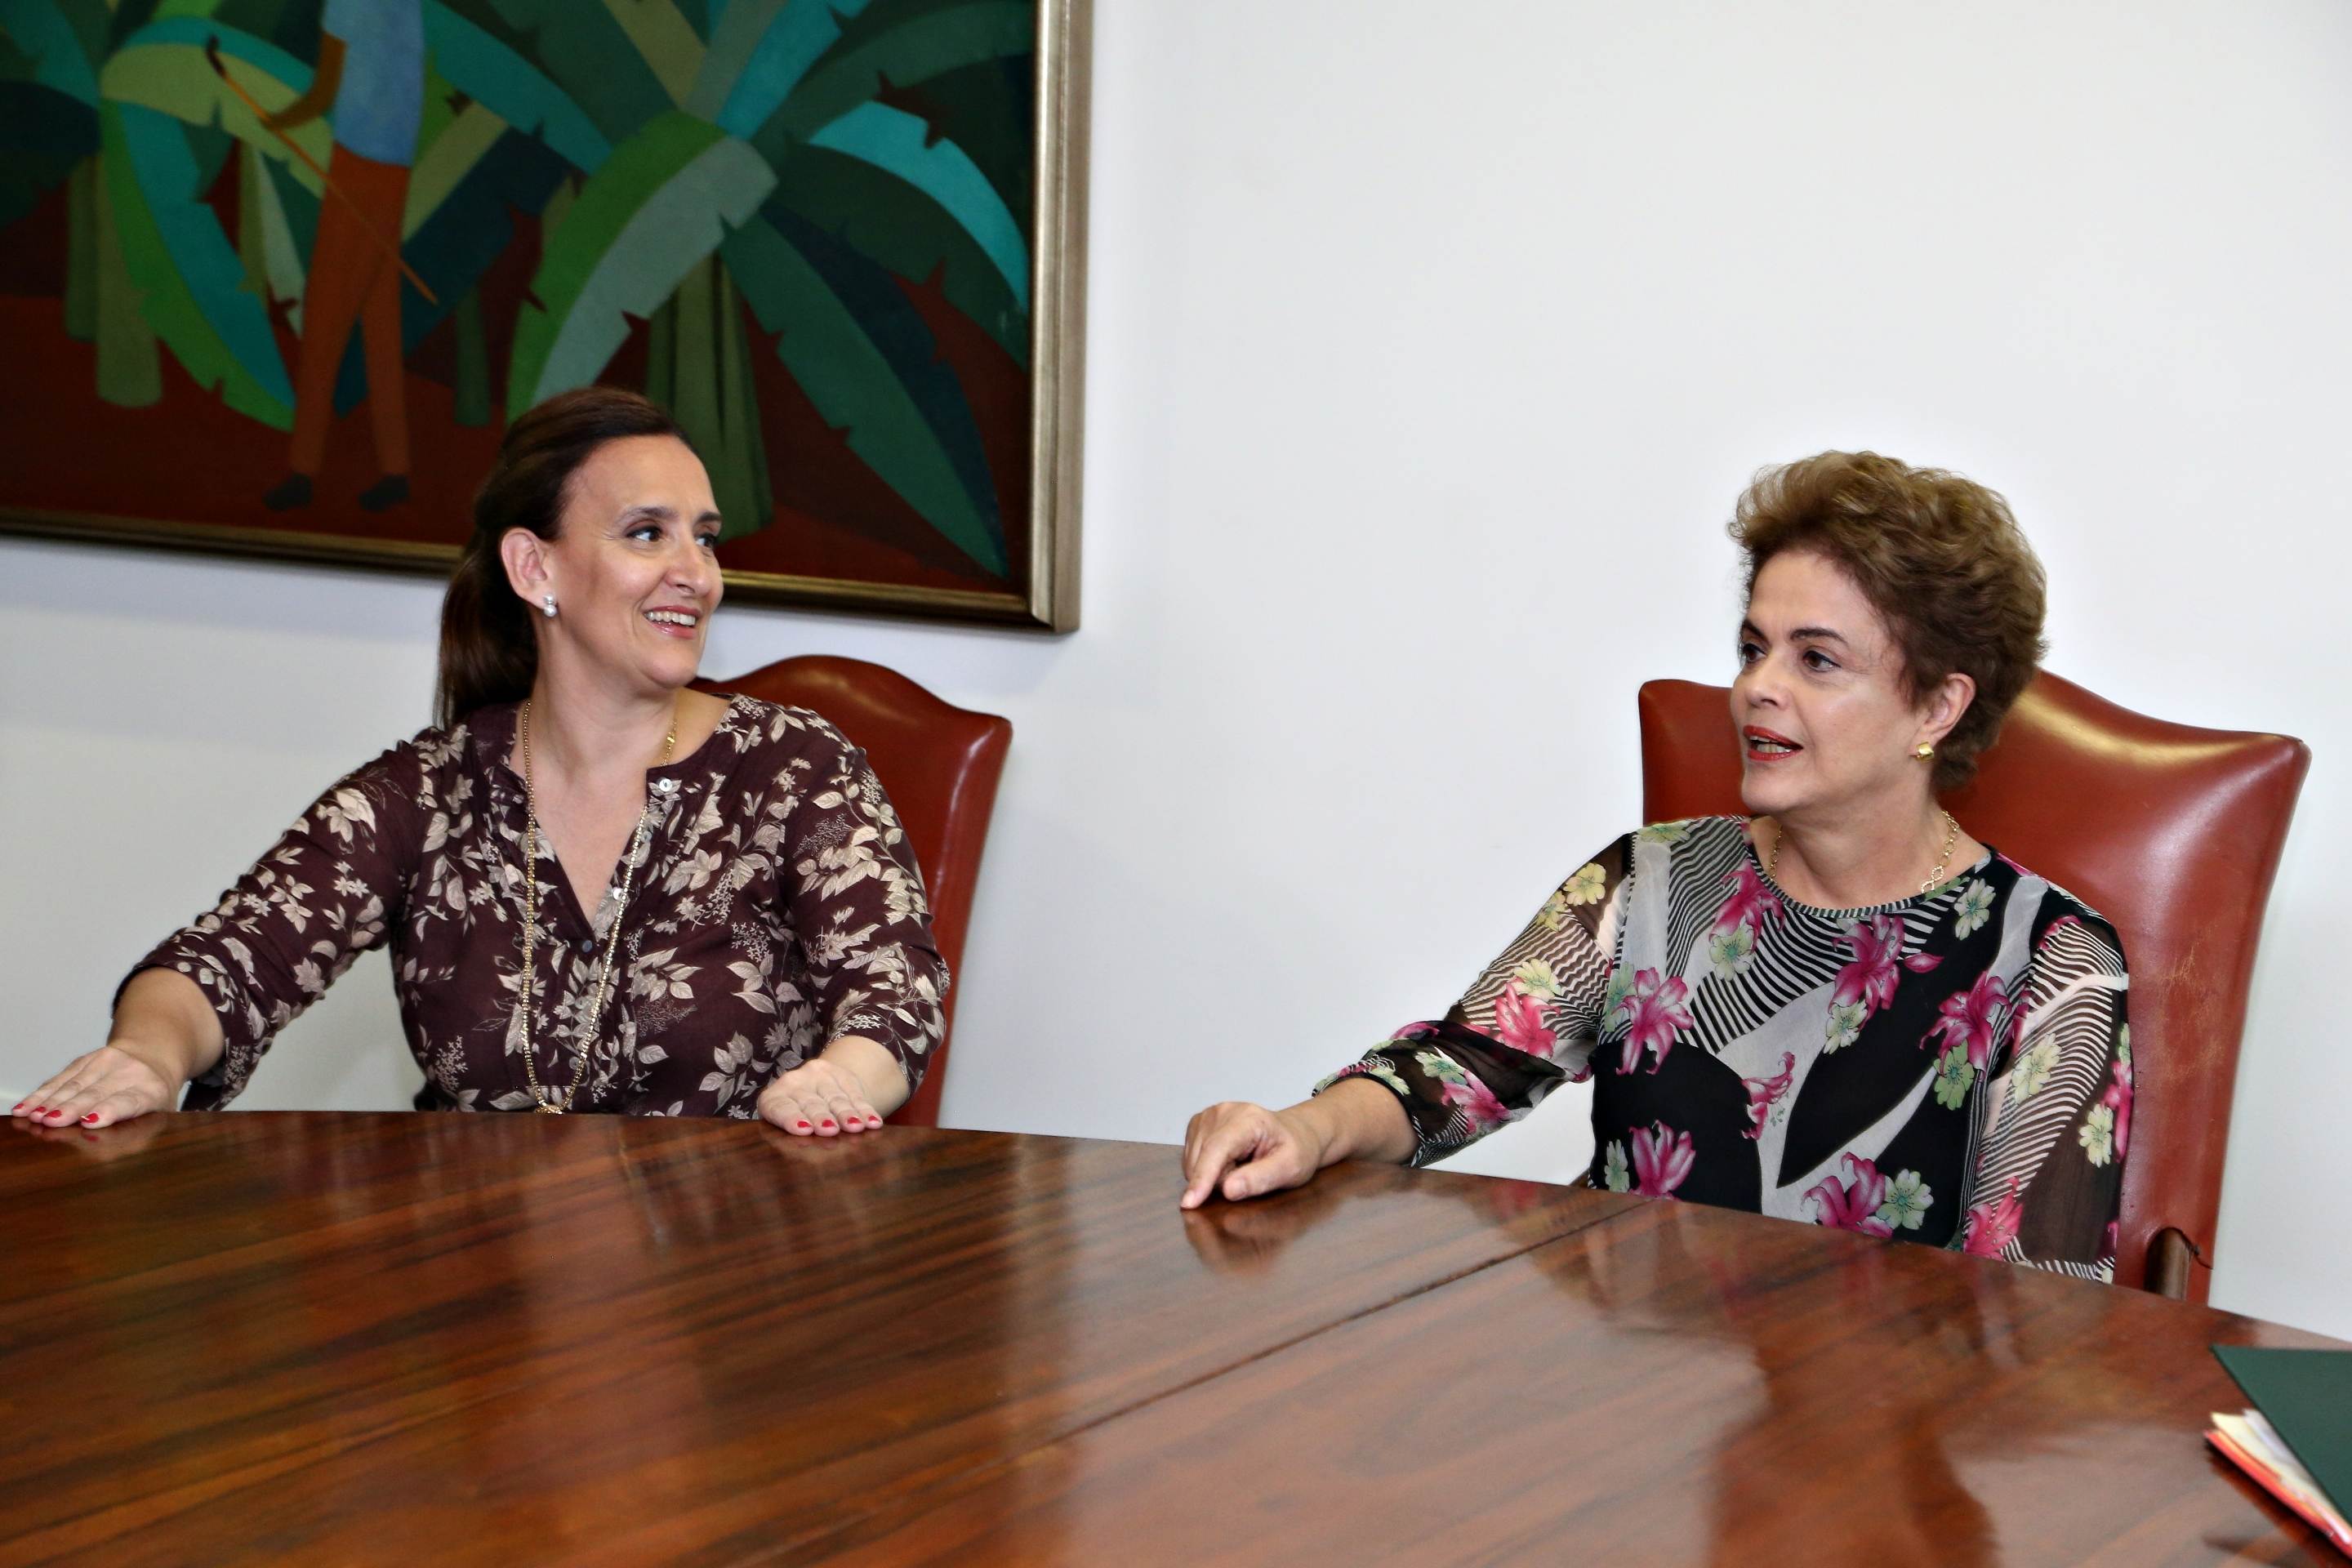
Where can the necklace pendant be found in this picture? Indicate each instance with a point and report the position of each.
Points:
(547, 1109)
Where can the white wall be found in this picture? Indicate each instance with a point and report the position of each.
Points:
(1429, 348)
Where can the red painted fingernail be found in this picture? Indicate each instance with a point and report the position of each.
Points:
(800, 1124)
(19, 1106)
(40, 1111)
(91, 1117)
(828, 1122)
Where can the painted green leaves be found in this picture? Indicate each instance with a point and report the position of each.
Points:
(190, 278)
(760, 52)
(662, 202)
(899, 144)
(815, 202)
(850, 374)
(493, 73)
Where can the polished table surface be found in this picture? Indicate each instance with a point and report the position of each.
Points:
(322, 1338)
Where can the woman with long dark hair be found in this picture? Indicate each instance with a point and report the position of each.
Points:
(603, 890)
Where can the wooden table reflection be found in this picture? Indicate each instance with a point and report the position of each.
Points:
(314, 1338)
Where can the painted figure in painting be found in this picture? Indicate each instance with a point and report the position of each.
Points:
(371, 75)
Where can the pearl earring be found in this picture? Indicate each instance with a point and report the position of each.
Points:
(549, 601)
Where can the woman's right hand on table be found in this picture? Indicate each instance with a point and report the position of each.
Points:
(165, 1033)
(1241, 1150)
(110, 1084)
(1237, 1150)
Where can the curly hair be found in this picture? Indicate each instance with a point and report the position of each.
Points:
(1939, 557)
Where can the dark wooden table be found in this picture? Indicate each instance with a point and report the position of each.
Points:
(460, 1339)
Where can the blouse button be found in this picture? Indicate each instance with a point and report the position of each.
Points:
(587, 945)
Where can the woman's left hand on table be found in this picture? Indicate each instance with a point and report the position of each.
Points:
(818, 1100)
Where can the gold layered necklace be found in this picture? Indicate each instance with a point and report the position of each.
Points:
(602, 983)
(1935, 878)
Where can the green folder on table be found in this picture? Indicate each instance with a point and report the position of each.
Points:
(2307, 1397)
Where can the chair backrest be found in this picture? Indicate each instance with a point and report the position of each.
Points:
(940, 765)
(2171, 832)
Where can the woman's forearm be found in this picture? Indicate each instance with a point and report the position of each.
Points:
(875, 1069)
(165, 1020)
(1357, 1119)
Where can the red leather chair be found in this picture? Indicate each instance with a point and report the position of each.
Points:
(939, 765)
(2171, 832)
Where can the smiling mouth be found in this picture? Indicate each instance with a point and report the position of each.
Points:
(683, 620)
(1764, 746)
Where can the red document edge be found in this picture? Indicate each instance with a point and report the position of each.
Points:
(2268, 1480)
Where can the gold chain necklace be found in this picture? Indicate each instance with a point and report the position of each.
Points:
(603, 980)
(1935, 878)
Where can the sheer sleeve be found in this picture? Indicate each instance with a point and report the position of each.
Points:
(857, 906)
(1527, 1024)
(324, 893)
(2048, 1184)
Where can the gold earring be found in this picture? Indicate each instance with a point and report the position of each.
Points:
(1923, 752)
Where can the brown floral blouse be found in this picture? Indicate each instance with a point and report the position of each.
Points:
(778, 907)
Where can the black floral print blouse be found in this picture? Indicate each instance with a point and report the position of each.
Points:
(777, 907)
(1954, 1069)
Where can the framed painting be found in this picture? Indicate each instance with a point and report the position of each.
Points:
(277, 273)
